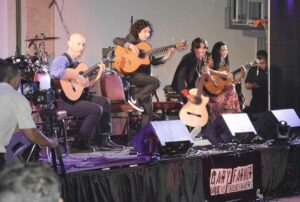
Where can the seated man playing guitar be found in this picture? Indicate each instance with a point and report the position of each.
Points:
(95, 111)
(146, 84)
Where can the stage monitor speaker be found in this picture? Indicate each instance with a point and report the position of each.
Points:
(266, 123)
(20, 149)
(229, 127)
(162, 137)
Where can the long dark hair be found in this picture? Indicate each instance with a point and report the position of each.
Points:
(197, 43)
(216, 54)
(137, 27)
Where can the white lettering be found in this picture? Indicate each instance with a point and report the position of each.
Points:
(229, 180)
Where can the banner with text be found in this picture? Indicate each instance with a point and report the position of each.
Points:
(229, 180)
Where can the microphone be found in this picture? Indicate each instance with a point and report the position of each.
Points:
(51, 4)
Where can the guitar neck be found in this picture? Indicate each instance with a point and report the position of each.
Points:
(200, 85)
(91, 70)
(162, 49)
(247, 66)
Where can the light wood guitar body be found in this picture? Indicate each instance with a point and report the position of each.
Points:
(195, 115)
(71, 89)
(127, 62)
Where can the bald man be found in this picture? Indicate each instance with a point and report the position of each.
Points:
(95, 111)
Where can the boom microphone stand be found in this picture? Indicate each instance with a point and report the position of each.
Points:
(60, 16)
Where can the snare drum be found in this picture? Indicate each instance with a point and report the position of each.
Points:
(43, 79)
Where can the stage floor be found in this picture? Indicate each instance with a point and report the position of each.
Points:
(120, 176)
(99, 160)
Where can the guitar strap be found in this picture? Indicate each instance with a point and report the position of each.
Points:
(71, 63)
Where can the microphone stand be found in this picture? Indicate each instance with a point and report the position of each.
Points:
(60, 16)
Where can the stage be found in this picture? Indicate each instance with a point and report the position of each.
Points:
(227, 173)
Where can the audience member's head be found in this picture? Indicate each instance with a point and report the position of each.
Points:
(34, 182)
(9, 73)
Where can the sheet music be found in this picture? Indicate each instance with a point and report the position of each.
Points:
(239, 123)
(288, 115)
(171, 131)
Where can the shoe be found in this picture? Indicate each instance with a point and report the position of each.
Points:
(81, 145)
(132, 151)
(106, 144)
(135, 104)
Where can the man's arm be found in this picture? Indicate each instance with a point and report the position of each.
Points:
(100, 72)
(250, 79)
(39, 138)
(59, 70)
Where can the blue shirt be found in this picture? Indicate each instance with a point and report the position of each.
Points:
(59, 65)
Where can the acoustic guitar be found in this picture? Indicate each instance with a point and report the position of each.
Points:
(195, 115)
(127, 62)
(215, 84)
(72, 90)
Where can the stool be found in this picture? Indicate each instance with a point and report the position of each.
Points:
(63, 117)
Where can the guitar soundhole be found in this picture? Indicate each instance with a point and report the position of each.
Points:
(198, 100)
(142, 54)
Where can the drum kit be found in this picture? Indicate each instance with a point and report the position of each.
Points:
(34, 69)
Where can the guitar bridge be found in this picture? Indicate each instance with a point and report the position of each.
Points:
(193, 114)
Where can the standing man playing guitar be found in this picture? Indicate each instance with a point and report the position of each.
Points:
(141, 100)
(96, 127)
(191, 67)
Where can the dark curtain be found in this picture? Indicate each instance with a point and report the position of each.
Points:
(280, 170)
(284, 54)
(168, 181)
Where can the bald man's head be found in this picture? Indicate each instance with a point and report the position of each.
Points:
(76, 45)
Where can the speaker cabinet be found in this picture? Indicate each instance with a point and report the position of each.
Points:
(163, 137)
(266, 123)
(227, 127)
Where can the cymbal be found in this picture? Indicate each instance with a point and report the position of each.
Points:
(45, 38)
